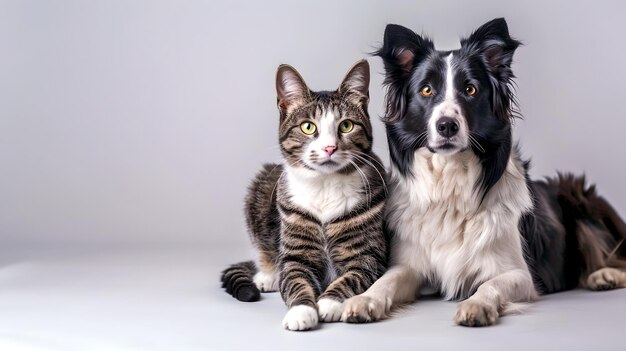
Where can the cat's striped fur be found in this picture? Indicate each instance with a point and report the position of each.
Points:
(316, 221)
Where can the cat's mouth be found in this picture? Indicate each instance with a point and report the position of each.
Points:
(329, 163)
(328, 166)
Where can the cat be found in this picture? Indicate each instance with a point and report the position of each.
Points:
(317, 219)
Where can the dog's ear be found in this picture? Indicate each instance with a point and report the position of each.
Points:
(356, 83)
(401, 52)
(493, 42)
(290, 88)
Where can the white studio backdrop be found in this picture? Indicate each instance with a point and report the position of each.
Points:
(142, 122)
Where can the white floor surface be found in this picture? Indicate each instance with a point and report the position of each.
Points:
(170, 299)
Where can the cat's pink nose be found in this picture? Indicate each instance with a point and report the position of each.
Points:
(330, 149)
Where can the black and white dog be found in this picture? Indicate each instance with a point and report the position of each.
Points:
(464, 216)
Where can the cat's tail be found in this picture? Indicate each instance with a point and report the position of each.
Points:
(237, 280)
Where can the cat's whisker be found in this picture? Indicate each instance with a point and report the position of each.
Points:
(277, 181)
(376, 169)
(370, 157)
(368, 190)
(297, 163)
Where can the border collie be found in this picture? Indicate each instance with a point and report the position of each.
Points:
(463, 214)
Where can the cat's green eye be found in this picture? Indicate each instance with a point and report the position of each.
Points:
(308, 128)
(346, 126)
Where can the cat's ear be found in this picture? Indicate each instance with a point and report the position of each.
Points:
(290, 88)
(356, 83)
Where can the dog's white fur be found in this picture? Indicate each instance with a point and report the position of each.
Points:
(448, 108)
(447, 235)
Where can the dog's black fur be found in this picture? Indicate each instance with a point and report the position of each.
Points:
(571, 232)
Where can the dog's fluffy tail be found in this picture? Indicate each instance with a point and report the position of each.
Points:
(599, 230)
(237, 280)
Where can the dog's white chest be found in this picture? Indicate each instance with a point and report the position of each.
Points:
(325, 196)
(443, 232)
(432, 206)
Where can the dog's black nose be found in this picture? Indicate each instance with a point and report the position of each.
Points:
(447, 127)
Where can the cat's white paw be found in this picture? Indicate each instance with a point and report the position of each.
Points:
(329, 310)
(266, 281)
(301, 317)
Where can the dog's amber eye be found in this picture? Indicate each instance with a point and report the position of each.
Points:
(308, 128)
(471, 90)
(346, 126)
(426, 90)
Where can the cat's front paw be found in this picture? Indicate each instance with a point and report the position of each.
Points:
(266, 281)
(300, 317)
(471, 313)
(329, 310)
(363, 309)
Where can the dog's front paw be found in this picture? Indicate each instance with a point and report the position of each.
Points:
(363, 309)
(606, 279)
(329, 310)
(471, 313)
(300, 317)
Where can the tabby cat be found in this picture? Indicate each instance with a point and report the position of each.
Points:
(316, 220)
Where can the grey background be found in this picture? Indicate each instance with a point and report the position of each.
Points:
(129, 131)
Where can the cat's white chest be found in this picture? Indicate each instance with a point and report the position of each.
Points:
(325, 196)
